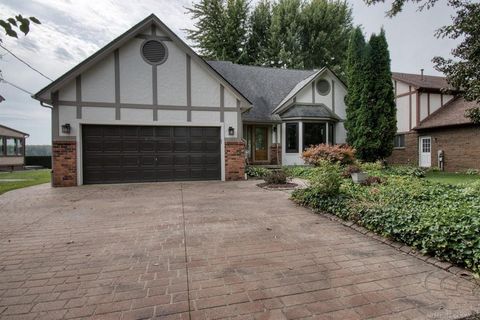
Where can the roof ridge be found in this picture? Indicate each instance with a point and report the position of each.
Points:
(263, 67)
(418, 74)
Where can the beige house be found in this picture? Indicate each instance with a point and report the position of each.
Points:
(12, 148)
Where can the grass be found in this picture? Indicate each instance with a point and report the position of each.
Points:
(32, 177)
(451, 177)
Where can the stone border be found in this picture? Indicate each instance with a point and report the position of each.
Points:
(447, 266)
(278, 187)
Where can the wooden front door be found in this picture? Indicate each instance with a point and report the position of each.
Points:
(260, 145)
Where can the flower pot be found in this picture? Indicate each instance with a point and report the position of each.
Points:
(358, 177)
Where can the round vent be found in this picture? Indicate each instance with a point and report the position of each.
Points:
(154, 52)
(323, 87)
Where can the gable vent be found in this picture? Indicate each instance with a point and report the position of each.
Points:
(154, 52)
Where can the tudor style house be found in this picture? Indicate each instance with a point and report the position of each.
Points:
(432, 128)
(146, 107)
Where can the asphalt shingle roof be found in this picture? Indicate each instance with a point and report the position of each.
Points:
(427, 82)
(451, 114)
(264, 87)
(318, 111)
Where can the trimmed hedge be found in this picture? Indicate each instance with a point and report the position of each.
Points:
(44, 161)
(437, 219)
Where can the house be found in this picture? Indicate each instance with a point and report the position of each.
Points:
(432, 127)
(146, 107)
(12, 149)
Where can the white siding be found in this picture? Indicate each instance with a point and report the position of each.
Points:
(171, 77)
(230, 120)
(98, 113)
(166, 116)
(135, 75)
(68, 92)
(423, 106)
(205, 116)
(435, 102)
(140, 115)
(205, 89)
(402, 114)
(98, 83)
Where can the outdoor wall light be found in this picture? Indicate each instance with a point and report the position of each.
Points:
(66, 128)
(231, 131)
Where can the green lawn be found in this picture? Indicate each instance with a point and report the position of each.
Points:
(451, 178)
(29, 178)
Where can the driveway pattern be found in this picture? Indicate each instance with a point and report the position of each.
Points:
(205, 250)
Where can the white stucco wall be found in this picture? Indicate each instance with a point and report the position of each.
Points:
(230, 120)
(68, 92)
(171, 77)
(205, 116)
(423, 106)
(402, 114)
(402, 88)
(135, 75)
(172, 116)
(435, 102)
(205, 89)
(138, 115)
(305, 95)
(98, 83)
(98, 113)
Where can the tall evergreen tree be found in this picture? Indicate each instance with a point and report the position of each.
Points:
(354, 72)
(259, 33)
(376, 119)
(285, 48)
(220, 28)
(326, 26)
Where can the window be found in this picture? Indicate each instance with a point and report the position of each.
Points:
(314, 133)
(323, 87)
(399, 141)
(20, 147)
(426, 145)
(2, 146)
(291, 136)
(11, 146)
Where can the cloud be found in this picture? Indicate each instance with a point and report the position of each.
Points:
(63, 54)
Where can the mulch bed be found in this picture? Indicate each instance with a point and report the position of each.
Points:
(285, 186)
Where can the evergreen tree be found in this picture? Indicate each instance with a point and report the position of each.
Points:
(326, 26)
(285, 48)
(220, 28)
(376, 119)
(259, 35)
(354, 72)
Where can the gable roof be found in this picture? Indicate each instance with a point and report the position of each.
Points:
(264, 87)
(320, 111)
(424, 82)
(451, 114)
(14, 130)
(117, 43)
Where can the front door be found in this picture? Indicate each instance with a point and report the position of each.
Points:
(425, 150)
(261, 144)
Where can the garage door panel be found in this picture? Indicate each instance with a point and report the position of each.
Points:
(113, 154)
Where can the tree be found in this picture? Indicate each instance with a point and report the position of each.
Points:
(220, 28)
(326, 26)
(285, 48)
(259, 34)
(462, 71)
(17, 22)
(376, 118)
(354, 75)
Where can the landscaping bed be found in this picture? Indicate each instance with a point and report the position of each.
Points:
(438, 219)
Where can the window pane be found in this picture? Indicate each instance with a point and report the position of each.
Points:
(314, 134)
(20, 147)
(2, 146)
(11, 147)
(291, 133)
(399, 141)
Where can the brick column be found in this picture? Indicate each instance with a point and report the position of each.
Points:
(276, 154)
(64, 163)
(234, 160)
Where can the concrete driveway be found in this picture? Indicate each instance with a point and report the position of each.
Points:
(204, 251)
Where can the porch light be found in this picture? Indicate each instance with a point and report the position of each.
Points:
(66, 128)
(231, 131)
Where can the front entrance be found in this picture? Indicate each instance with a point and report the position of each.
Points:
(260, 147)
(425, 152)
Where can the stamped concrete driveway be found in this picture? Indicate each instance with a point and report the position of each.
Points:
(204, 251)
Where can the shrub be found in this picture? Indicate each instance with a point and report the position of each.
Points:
(342, 154)
(327, 178)
(276, 177)
(372, 180)
(256, 172)
(299, 171)
(472, 172)
(372, 166)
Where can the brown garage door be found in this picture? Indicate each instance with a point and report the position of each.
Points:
(116, 154)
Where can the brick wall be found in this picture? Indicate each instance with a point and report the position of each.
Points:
(234, 160)
(64, 163)
(461, 146)
(276, 154)
(407, 155)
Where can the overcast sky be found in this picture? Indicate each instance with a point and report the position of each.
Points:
(73, 30)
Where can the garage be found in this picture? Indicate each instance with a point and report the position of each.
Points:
(120, 154)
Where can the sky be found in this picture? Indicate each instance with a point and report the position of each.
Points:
(73, 30)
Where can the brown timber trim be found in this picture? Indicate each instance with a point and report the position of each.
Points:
(409, 93)
(410, 108)
(222, 103)
(78, 95)
(116, 56)
(418, 108)
(313, 91)
(428, 103)
(441, 99)
(189, 87)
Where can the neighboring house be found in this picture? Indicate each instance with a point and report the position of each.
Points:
(146, 107)
(432, 128)
(12, 149)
